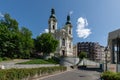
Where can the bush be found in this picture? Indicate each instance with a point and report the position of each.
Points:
(18, 74)
(108, 75)
(6, 58)
(53, 60)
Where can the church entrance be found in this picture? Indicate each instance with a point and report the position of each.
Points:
(63, 52)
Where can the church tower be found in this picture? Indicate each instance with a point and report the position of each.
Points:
(68, 25)
(69, 38)
(52, 22)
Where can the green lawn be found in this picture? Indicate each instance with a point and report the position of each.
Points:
(40, 61)
(5, 59)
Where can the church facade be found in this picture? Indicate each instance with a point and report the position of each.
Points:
(63, 35)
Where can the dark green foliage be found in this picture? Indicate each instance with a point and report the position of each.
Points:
(14, 43)
(8, 30)
(26, 44)
(82, 55)
(53, 60)
(110, 75)
(18, 74)
(46, 43)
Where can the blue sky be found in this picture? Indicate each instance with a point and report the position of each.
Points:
(97, 17)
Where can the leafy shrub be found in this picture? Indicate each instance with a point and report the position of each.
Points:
(108, 75)
(18, 74)
(6, 58)
(53, 60)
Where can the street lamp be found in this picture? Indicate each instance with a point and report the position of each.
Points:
(106, 52)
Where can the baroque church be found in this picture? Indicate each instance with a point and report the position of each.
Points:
(63, 35)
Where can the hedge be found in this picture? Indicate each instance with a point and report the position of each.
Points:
(108, 75)
(26, 74)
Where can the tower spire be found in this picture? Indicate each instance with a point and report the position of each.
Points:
(52, 22)
(68, 19)
(52, 13)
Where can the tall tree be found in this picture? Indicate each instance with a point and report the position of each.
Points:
(81, 56)
(26, 44)
(14, 43)
(9, 38)
(4, 40)
(46, 43)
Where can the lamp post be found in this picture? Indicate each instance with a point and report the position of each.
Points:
(106, 52)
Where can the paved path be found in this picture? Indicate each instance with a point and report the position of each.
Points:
(74, 75)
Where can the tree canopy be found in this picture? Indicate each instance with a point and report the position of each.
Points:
(82, 55)
(46, 43)
(14, 42)
(17, 42)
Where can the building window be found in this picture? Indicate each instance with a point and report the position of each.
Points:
(63, 52)
(69, 31)
(69, 45)
(63, 42)
(53, 27)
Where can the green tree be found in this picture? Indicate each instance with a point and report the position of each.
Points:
(11, 23)
(14, 43)
(4, 43)
(26, 43)
(46, 43)
(8, 29)
(81, 56)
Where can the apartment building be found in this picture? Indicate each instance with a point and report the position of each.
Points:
(92, 49)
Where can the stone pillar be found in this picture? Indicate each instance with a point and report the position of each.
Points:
(118, 51)
(113, 51)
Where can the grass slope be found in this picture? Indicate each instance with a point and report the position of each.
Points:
(40, 61)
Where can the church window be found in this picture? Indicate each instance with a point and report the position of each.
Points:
(69, 31)
(69, 45)
(53, 27)
(63, 52)
(63, 42)
(63, 33)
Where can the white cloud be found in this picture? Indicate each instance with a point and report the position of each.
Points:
(71, 12)
(1, 15)
(82, 31)
(40, 33)
(46, 30)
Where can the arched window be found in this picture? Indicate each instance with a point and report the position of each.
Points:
(63, 42)
(53, 27)
(69, 31)
(69, 45)
(63, 52)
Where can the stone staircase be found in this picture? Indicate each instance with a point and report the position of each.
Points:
(67, 61)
